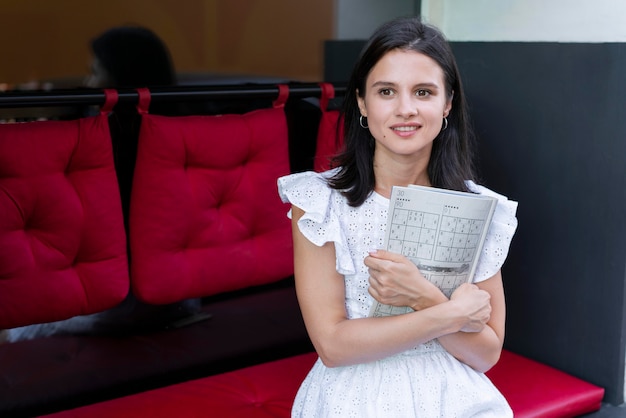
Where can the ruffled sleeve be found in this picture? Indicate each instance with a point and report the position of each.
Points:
(320, 223)
(499, 235)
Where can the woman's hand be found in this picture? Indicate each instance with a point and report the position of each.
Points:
(475, 305)
(395, 280)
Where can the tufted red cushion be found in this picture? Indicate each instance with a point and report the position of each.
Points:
(329, 139)
(205, 214)
(62, 240)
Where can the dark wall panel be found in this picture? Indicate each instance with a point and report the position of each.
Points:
(551, 119)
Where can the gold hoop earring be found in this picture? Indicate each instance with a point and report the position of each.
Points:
(364, 126)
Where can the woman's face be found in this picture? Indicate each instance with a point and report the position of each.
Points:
(405, 102)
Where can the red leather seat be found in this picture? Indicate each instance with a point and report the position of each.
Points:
(267, 390)
(263, 391)
(534, 389)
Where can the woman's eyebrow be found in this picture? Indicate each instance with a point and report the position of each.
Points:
(426, 84)
(383, 84)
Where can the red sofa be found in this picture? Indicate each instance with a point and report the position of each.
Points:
(204, 221)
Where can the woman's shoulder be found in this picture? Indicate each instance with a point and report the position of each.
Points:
(480, 189)
(323, 207)
(506, 208)
(499, 235)
(305, 186)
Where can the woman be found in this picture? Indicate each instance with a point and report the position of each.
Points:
(130, 56)
(405, 122)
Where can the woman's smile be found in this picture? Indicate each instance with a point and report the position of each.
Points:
(406, 130)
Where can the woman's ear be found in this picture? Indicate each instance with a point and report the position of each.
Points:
(448, 107)
(361, 103)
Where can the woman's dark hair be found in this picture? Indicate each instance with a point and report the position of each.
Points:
(451, 160)
(134, 57)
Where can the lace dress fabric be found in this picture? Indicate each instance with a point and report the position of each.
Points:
(425, 381)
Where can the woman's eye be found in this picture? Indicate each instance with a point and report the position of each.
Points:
(422, 93)
(386, 92)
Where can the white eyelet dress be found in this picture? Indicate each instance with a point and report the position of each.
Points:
(425, 381)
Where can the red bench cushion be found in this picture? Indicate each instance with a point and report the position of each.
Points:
(267, 390)
(205, 215)
(534, 389)
(62, 238)
(262, 391)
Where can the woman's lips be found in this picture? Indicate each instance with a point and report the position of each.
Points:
(405, 130)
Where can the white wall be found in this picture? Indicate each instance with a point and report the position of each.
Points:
(357, 19)
(529, 20)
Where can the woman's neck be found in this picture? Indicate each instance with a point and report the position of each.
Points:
(395, 173)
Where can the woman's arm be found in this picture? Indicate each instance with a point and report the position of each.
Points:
(339, 341)
(481, 350)
(395, 280)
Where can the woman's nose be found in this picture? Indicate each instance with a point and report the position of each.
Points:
(407, 105)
